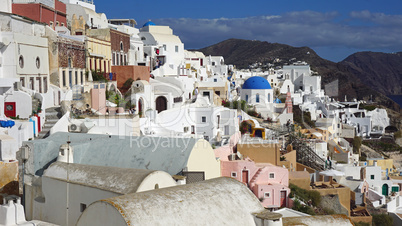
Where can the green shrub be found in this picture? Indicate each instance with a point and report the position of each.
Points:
(382, 220)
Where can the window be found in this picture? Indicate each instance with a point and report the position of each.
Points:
(185, 129)
(269, 97)
(164, 47)
(76, 77)
(218, 93)
(62, 24)
(31, 83)
(57, 23)
(271, 176)
(22, 81)
(192, 129)
(21, 61)
(233, 174)
(82, 78)
(215, 80)
(37, 61)
(143, 38)
(395, 189)
(114, 58)
(246, 98)
(176, 49)
(257, 98)
(203, 119)
(266, 194)
(121, 46)
(83, 207)
(45, 85)
(372, 177)
(64, 78)
(51, 24)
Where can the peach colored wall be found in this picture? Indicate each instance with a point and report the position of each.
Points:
(237, 166)
(260, 153)
(290, 161)
(281, 176)
(98, 99)
(131, 71)
(262, 183)
(274, 199)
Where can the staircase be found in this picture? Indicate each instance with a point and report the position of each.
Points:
(252, 181)
(35, 104)
(305, 155)
(52, 115)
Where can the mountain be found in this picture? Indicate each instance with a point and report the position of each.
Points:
(361, 75)
(378, 70)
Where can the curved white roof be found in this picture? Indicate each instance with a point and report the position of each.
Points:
(220, 201)
(118, 180)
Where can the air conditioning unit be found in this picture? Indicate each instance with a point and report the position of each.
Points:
(74, 128)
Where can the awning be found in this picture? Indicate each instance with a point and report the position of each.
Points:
(97, 55)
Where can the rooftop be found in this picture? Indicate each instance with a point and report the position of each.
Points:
(140, 152)
(118, 180)
(209, 202)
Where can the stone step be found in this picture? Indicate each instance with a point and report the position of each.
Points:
(52, 120)
(48, 125)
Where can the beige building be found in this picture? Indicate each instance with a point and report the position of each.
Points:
(99, 55)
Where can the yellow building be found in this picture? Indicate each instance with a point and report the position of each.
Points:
(387, 165)
(99, 55)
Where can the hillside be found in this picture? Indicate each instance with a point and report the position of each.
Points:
(378, 70)
(356, 79)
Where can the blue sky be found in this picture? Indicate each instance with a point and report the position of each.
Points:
(334, 29)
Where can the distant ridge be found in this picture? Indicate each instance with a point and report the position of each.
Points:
(358, 75)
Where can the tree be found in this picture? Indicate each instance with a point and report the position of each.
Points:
(357, 143)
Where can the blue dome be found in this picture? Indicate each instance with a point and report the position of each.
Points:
(149, 23)
(256, 82)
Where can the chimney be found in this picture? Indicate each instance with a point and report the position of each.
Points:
(66, 154)
(267, 218)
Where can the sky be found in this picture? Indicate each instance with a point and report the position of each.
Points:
(334, 29)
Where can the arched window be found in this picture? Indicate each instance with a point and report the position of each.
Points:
(257, 98)
(121, 46)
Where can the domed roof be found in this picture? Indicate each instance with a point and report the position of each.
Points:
(256, 82)
(149, 23)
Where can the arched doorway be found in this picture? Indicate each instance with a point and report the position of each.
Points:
(385, 189)
(258, 133)
(161, 103)
(140, 107)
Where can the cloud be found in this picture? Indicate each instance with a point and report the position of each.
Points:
(359, 30)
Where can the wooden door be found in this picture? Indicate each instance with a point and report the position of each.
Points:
(161, 103)
(283, 198)
(244, 176)
(9, 109)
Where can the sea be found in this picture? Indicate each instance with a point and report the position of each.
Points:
(397, 99)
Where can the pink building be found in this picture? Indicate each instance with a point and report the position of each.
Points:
(268, 182)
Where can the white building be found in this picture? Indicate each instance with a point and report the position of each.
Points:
(164, 49)
(256, 91)
(67, 189)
